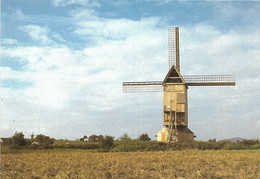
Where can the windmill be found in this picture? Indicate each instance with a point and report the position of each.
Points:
(174, 88)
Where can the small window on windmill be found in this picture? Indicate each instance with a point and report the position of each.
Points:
(181, 98)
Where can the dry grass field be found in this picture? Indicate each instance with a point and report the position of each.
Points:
(173, 164)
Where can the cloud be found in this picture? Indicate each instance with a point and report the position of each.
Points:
(161, 2)
(88, 3)
(82, 84)
(15, 13)
(48, 69)
(235, 15)
(217, 48)
(9, 41)
(37, 33)
(207, 50)
(258, 123)
(116, 28)
(89, 82)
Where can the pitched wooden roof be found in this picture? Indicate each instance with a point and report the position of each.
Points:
(173, 76)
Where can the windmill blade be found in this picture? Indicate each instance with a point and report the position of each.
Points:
(209, 80)
(173, 47)
(147, 86)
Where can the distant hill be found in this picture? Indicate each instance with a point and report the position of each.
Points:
(235, 139)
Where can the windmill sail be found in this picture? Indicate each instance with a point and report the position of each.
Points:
(147, 86)
(190, 80)
(209, 80)
(173, 47)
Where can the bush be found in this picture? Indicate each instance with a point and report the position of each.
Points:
(107, 142)
(156, 146)
(249, 142)
(6, 141)
(91, 146)
(256, 146)
(130, 146)
(17, 147)
(44, 140)
(33, 146)
(233, 146)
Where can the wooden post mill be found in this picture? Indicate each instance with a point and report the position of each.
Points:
(175, 96)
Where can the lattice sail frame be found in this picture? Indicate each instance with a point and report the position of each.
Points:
(146, 86)
(173, 44)
(190, 80)
(209, 80)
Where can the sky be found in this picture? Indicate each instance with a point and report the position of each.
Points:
(63, 63)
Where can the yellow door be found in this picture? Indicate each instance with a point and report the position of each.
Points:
(163, 137)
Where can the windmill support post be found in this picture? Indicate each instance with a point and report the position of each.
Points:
(175, 124)
(170, 126)
(177, 48)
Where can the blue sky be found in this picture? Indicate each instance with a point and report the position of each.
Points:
(63, 64)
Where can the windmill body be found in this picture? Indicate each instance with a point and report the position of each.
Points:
(175, 96)
(175, 109)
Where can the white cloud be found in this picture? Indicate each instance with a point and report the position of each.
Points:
(88, 23)
(17, 14)
(115, 28)
(207, 50)
(235, 15)
(212, 51)
(84, 82)
(9, 41)
(88, 3)
(258, 123)
(37, 33)
(52, 71)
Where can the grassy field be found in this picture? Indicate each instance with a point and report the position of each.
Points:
(173, 164)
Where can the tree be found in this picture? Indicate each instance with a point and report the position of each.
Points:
(144, 137)
(44, 140)
(18, 139)
(83, 138)
(95, 138)
(107, 142)
(249, 142)
(100, 138)
(125, 137)
(212, 140)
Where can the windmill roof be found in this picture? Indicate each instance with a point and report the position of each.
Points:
(173, 76)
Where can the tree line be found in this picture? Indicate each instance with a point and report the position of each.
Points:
(18, 141)
(123, 143)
